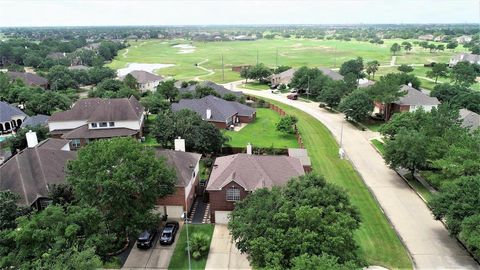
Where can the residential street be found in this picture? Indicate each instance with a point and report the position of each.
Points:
(427, 240)
(223, 253)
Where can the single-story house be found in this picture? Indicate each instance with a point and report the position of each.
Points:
(233, 177)
(282, 77)
(464, 57)
(96, 118)
(146, 81)
(464, 39)
(218, 111)
(186, 166)
(11, 117)
(30, 79)
(411, 101)
(334, 75)
(31, 172)
(302, 155)
(219, 89)
(470, 120)
(36, 120)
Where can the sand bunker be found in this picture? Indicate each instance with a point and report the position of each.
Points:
(141, 66)
(185, 48)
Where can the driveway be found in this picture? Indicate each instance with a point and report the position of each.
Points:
(157, 257)
(223, 253)
(427, 240)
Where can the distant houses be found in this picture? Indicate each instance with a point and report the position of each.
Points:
(428, 37)
(464, 39)
(146, 81)
(29, 79)
(219, 89)
(95, 118)
(281, 78)
(11, 117)
(334, 75)
(470, 120)
(219, 112)
(465, 57)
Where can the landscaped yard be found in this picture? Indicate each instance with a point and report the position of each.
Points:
(379, 244)
(180, 256)
(262, 132)
(255, 86)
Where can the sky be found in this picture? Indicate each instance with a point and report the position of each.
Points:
(234, 12)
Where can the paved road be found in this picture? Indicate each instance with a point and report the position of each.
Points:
(426, 239)
(223, 254)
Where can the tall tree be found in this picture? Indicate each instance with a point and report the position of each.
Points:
(438, 70)
(407, 46)
(405, 68)
(452, 45)
(463, 73)
(354, 66)
(130, 81)
(372, 68)
(168, 90)
(407, 149)
(357, 106)
(386, 91)
(395, 48)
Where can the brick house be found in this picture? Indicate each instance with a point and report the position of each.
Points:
(146, 81)
(94, 118)
(30, 79)
(186, 166)
(233, 177)
(217, 111)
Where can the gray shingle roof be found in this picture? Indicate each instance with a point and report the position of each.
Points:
(301, 154)
(29, 78)
(30, 172)
(35, 120)
(469, 119)
(182, 162)
(144, 77)
(8, 111)
(254, 172)
(220, 108)
(334, 75)
(83, 132)
(468, 57)
(414, 97)
(219, 89)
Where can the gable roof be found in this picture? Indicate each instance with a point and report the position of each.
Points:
(30, 172)
(468, 57)
(144, 77)
(183, 163)
(219, 89)
(83, 132)
(253, 172)
(285, 75)
(29, 78)
(414, 97)
(97, 109)
(220, 108)
(39, 119)
(301, 154)
(331, 73)
(8, 111)
(469, 119)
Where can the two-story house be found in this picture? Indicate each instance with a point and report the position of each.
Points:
(95, 118)
(146, 81)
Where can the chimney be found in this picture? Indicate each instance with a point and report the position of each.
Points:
(209, 113)
(64, 54)
(32, 140)
(249, 148)
(410, 84)
(180, 144)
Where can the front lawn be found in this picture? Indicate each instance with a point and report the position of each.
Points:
(180, 256)
(379, 145)
(262, 132)
(255, 86)
(378, 241)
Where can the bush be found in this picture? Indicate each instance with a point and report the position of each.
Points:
(261, 103)
(199, 245)
(286, 124)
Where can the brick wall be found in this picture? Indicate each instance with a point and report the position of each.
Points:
(218, 200)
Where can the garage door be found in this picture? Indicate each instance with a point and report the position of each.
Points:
(173, 211)
(221, 217)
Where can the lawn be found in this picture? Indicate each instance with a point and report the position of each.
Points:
(378, 241)
(180, 257)
(419, 187)
(255, 86)
(262, 132)
(292, 52)
(149, 139)
(379, 145)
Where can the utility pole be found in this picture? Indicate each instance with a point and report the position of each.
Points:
(223, 70)
(276, 58)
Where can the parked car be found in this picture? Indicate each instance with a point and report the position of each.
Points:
(293, 96)
(168, 233)
(275, 92)
(146, 238)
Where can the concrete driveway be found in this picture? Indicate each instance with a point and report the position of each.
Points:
(223, 253)
(427, 240)
(157, 257)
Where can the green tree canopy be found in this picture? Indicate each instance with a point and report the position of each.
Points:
(405, 68)
(372, 68)
(438, 70)
(287, 124)
(408, 149)
(354, 66)
(130, 81)
(463, 74)
(357, 106)
(168, 90)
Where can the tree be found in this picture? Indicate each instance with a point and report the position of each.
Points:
(9, 210)
(230, 97)
(440, 47)
(131, 82)
(407, 149)
(60, 78)
(168, 90)
(287, 124)
(372, 68)
(438, 70)
(203, 91)
(98, 74)
(47, 103)
(407, 46)
(395, 48)
(199, 245)
(470, 233)
(311, 215)
(405, 68)
(407, 120)
(323, 262)
(200, 136)
(245, 73)
(357, 106)
(259, 72)
(432, 47)
(333, 93)
(475, 49)
(386, 91)
(155, 103)
(452, 45)
(19, 141)
(354, 66)
(281, 69)
(448, 92)
(463, 74)
(61, 194)
(122, 179)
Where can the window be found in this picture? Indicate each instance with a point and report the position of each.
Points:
(76, 143)
(103, 124)
(111, 124)
(233, 194)
(94, 125)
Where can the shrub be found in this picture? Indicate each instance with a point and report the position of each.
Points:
(199, 245)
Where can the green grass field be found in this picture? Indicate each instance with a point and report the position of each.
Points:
(379, 244)
(262, 132)
(379, 145)
(291, 52)
(255, 86)
(179, 258)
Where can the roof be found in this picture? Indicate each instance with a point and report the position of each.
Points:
(365, 83)
(414, 97)
(287, 74)
(30, 172)
(330, 73)
(220, 108)
(29, 78)
(97, 109)
(8, 111)
(301, 154)
(144, 77)
(39, 119)
(183, 163)
(53, 143)
(469, 119)
(57, 55)
(219, 89)
(253, 172)
(86, 133)
(468, 57)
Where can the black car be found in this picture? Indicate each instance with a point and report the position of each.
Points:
(145, 240)
(168, 233)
